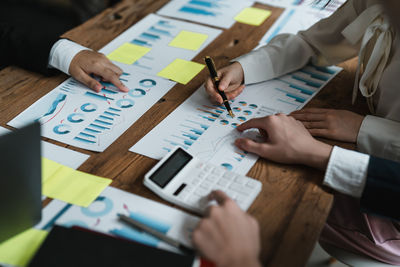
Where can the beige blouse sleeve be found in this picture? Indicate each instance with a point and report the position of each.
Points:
(379, 137)
(323, 44)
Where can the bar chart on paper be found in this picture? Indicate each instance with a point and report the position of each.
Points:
(78, 116)
(157, 33)
(299, 15)
(101, 216)
(219, 13)
(292, 21)
(208, 132)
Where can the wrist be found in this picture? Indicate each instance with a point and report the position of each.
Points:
(318, 155)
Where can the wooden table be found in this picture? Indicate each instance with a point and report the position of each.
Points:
(292, 207)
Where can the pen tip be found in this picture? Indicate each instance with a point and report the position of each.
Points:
(231, 114)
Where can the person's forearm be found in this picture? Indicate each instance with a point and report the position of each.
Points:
(285, 53)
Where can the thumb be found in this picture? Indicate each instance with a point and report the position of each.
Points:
(253, 123)
(249, 145)
(218, 196)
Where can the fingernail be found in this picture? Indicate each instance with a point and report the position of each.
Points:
(99, 87)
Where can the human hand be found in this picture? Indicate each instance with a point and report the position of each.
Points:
(341, 125)
(287, 141)
(231, 82)
(89, 62)
(228, 236)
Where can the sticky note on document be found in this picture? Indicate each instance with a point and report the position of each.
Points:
(181, 71)
(128, 53)
(253, 16)
(19, 250)
(189, 40)
(66, 184)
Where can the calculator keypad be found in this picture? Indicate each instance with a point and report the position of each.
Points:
(206, 178)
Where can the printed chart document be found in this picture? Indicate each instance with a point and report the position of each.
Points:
(292, 21)
(215, 13)
(78, 116)
(298, 16)
(101, 216)
(325, 5)
(165, 40)
(59, 154)
(208, 132)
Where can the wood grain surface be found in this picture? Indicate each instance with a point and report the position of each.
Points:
(292, 207)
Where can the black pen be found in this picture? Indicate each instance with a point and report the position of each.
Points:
(215, 78)
(155, 233)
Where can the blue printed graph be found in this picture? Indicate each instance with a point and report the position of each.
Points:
(227, 166)
(100, 207)
(76, 117)
(137, 93)
(89, 107)
(62, 129)
(98, 96)
(125, 103)
(150, 38)
(148, 83)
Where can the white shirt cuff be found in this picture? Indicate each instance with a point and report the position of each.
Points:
(347, 171)
(62, 53)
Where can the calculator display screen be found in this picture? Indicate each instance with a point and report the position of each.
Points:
(171, 167)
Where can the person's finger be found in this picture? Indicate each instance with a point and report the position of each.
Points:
(212, 91)
(251, 146)
(115, 68)
(314, 124)
(219, 196)
(253, 123)
(113, 78)
(87, 80)
(225, 81)
(235, 93)
(311, 110)
(319, 132)
(309, 116)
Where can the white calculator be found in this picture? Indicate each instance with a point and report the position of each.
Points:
(186, 181)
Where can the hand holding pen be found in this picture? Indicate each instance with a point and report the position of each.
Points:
(231, 82)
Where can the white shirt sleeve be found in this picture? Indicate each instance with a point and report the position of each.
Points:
(62, 53)
(347, 171)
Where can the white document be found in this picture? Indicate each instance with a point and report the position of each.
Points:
(208, 132)
(298, 16)
(101, 216)
(292, 21)
(76, 115)
(156, 32)
(59, 154)
(215, 13)
(324, 5)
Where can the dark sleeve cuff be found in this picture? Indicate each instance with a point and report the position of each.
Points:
(27, 47)
(381, 194)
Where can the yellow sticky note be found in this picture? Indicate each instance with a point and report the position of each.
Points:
(253, 16)
(189, 40)
(66, 184)
(128, 53)
(20, 249)
(181, 71)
